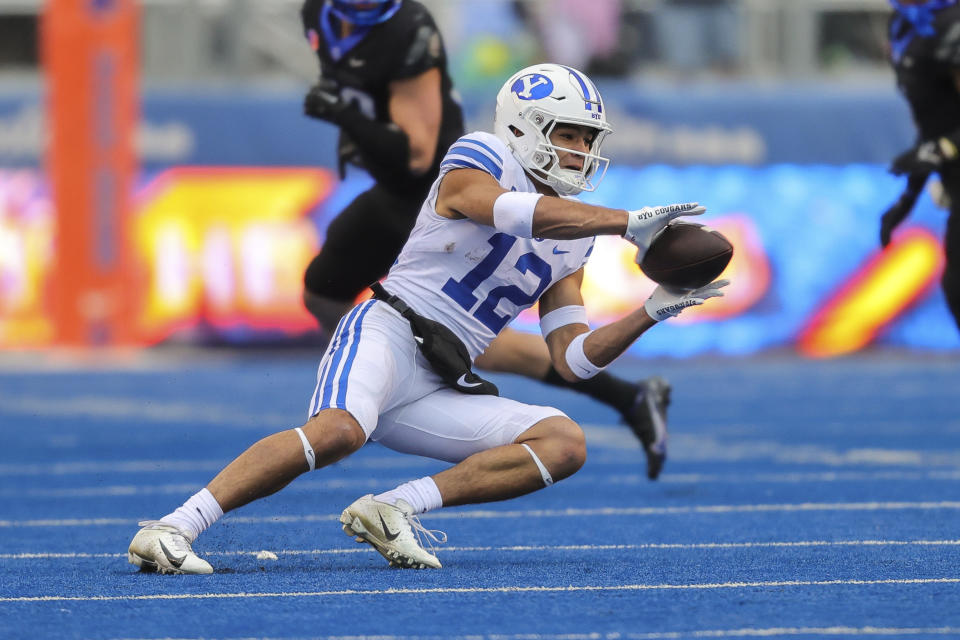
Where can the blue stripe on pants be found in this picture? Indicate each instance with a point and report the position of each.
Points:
(342, 391)
(343, 338)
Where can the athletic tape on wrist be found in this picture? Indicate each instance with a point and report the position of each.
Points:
(577, 359)
(307, 449)
(571, 314)
(513, 213)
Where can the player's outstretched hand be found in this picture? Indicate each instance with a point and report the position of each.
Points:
(926, 157)
(644, 224)
(323, 101)
(664, 303)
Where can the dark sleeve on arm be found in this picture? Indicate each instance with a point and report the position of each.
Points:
(423, 51)
(915, 184)
(384, 147)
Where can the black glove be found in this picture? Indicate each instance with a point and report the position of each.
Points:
(926, 157)
(323, 102)
(900, 209)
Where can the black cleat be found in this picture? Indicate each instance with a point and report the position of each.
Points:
(648, 419)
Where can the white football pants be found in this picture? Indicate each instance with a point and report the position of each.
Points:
(373, 370)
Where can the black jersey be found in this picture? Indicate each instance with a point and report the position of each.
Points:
(363, 66)
(924, 65)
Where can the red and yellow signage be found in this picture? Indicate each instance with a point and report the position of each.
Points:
(877, 293)
(228, 248)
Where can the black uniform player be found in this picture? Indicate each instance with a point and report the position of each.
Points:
(384, 83)
(925, 54)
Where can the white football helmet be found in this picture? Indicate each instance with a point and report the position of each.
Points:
(531, 104)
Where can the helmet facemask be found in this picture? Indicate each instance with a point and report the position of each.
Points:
(546, 159)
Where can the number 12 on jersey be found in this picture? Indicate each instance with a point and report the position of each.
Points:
(462, 291)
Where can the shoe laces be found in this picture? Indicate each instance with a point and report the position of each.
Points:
(425, 537)
(178, 539)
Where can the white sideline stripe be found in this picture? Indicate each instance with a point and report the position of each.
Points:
(769, 632)
(193, 487)
(562, 547)
(698, 447)
(164, 466)
(583, 478)
(514, 589)
(541, 513)
(125, 466)
(123, 408)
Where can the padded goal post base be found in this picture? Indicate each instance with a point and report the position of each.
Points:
(90, 57)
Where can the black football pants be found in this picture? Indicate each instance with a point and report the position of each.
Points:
(362, 243)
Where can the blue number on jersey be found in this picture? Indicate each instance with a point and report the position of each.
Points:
(462, 290)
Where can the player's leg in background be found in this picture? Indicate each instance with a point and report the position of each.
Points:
(950, 281)
(361, 244)
(951, 272)
(642, 405)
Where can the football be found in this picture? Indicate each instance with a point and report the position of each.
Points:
(686, 256)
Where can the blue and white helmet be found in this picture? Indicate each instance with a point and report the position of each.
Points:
(531, 104)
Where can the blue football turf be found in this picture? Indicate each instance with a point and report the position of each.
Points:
(801, 499)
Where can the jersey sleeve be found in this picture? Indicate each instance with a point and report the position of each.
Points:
(480, 151)
(423, 49)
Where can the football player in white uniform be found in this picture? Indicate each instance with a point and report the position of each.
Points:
(499, 231)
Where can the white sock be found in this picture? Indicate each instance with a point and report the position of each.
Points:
(421, 494)
(196, 514)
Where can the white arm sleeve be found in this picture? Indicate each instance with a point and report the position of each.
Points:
(513, 213)
(577, 359)
(571, 314)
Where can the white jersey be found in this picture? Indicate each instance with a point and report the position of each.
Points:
(471, 277)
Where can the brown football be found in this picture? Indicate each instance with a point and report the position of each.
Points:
(686, 256)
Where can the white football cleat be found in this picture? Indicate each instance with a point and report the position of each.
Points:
(390, 530)
(164, 548)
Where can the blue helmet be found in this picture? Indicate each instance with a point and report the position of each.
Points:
(921, 14)
(364, 13)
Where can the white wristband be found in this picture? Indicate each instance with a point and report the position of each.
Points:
(513, 213)
(577, 359)
(571, 314)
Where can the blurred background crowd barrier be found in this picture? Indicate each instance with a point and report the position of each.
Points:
(779, 115)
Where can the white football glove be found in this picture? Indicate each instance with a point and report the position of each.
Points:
(666, 303)
(643, 225)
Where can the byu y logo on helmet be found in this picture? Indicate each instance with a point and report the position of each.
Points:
(532, 87)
